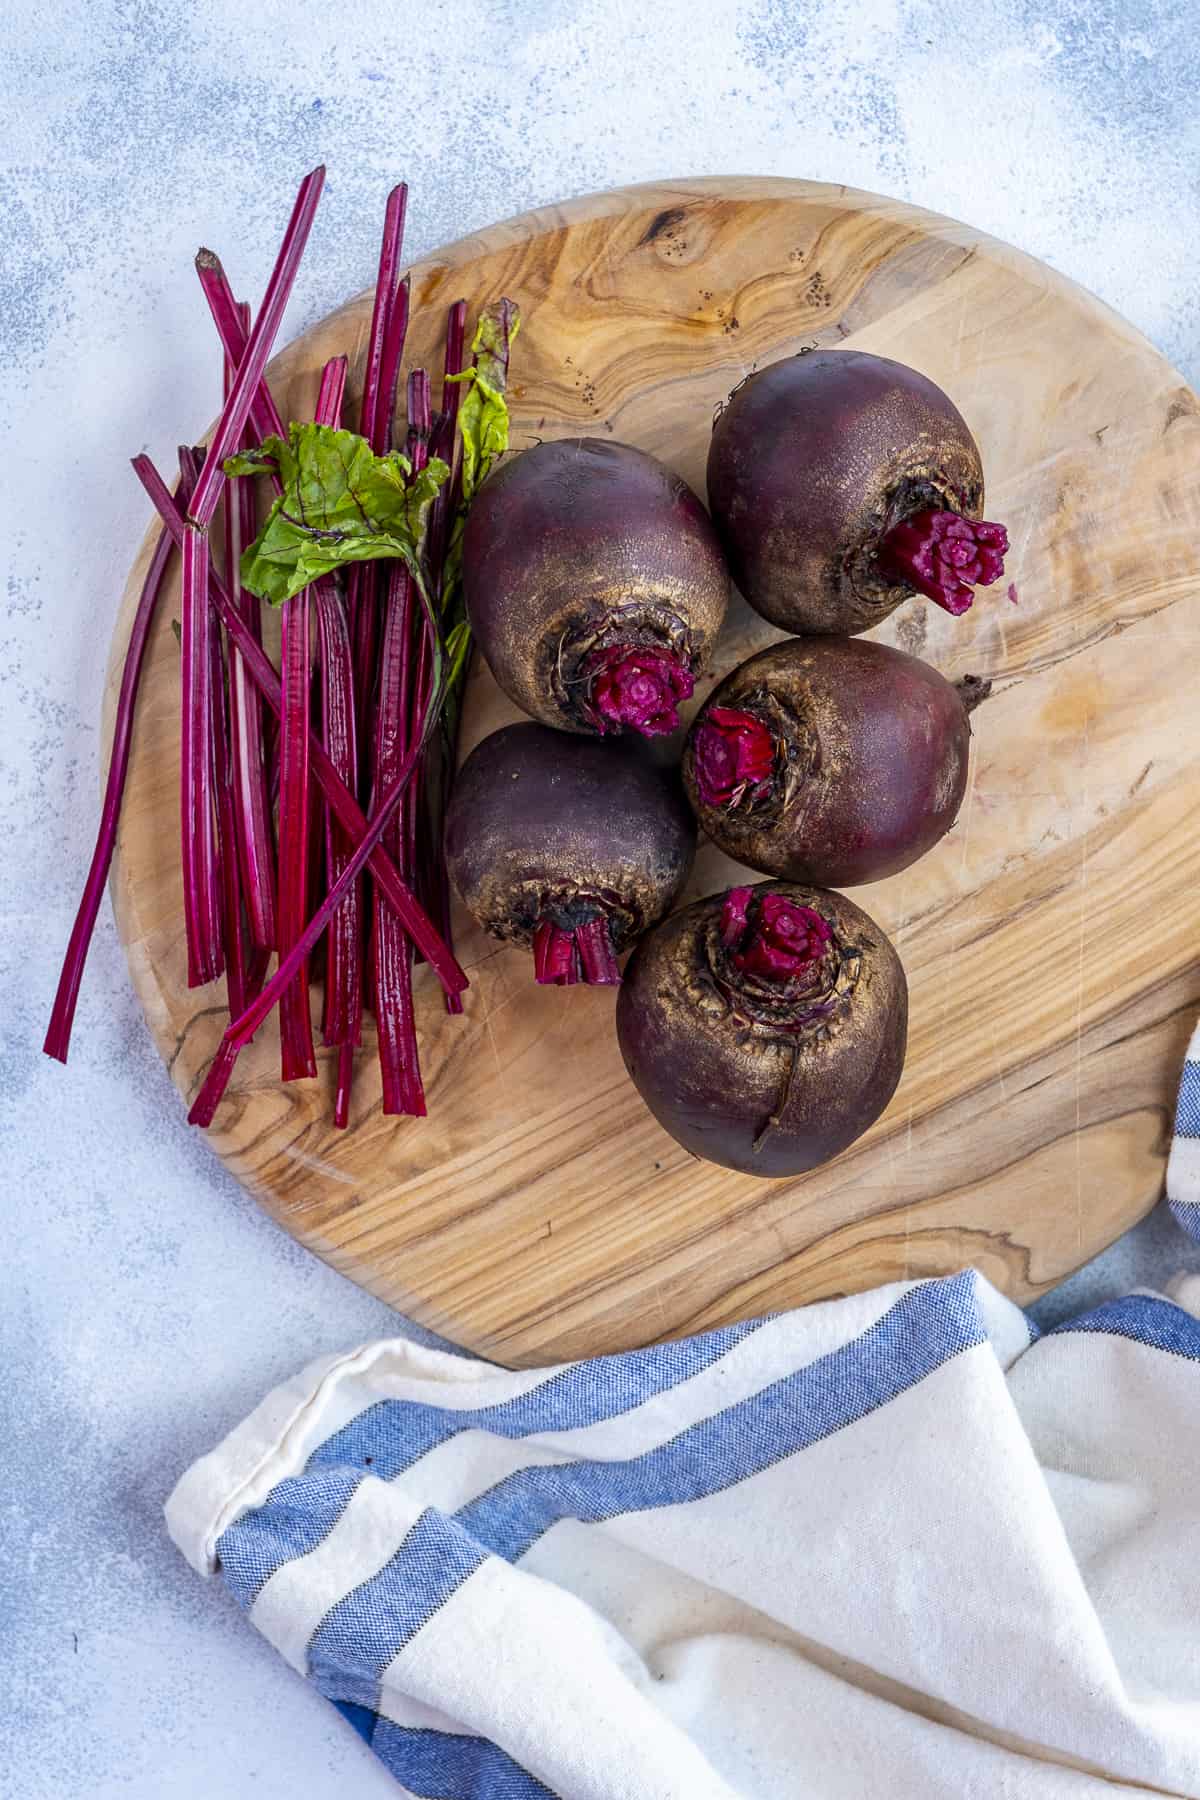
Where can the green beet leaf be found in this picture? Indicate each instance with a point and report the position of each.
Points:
(340, 504)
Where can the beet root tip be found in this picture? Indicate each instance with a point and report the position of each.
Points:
(972, 690)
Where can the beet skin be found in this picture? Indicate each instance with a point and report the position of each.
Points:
(841, 483)
(571, 846)
(765, 1028)
(832, 760)
(595, 586)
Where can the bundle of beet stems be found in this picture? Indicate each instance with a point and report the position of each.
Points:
(313, 810)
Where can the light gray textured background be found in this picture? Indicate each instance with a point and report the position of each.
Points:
(147, 1304)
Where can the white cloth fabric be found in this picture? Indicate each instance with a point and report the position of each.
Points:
(890, 1545)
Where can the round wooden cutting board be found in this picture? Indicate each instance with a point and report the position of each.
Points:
(1050, 941)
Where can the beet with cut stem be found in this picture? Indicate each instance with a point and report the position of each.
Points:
(765, 1027)
(570, 846)
(842, 483)
(834, 760)
(595, 586)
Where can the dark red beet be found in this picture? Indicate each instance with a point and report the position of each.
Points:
(841, 483)
(595, 586)
(571, 846)
(834, 760)
(765, 1028)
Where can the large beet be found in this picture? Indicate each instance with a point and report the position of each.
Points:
(841, 483)
(571, 846)
(765, 1028)
(833, 760)
(595, 586)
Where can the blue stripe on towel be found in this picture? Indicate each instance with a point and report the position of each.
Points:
(924, 1329)
(297, 1515)
(1187, 1214)
(300, 1512)
(1146, 1320)
(397, 1433)
(359, 1636)
(443, 1766)
(1187, 1113)
(363, 1719)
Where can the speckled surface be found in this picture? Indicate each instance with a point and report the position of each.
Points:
(147, 1304)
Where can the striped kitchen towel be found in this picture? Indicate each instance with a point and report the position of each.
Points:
(1183, 1172)
(888, 1546)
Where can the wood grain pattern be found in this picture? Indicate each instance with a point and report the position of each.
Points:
(1050, 940)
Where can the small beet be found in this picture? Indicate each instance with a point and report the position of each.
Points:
(765, 1027)
(842, 483)
(570, 846)
(595, 586)
(834, 760)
